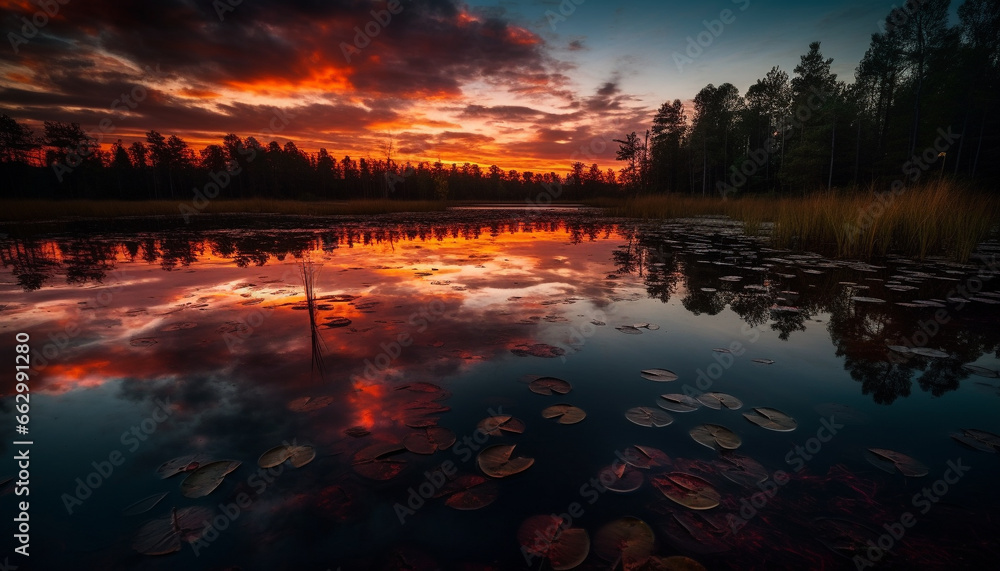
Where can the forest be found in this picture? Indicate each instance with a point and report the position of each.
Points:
(922, 104)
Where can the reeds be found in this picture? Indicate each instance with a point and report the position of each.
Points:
(935, 218)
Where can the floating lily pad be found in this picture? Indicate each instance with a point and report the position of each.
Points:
(357, 431)
(645, 457)
(629, 330)
(301, 455)
(430, 440)
(336, 322)
(620, 478)
(715, 437)
(549, 386)
(982, 371)
(763, 361)
(978, 439)
(144, 505)
(883, 459)
(180, 326)
(862, 299)
(547, 536)
(309, 404)
(274, 456)
(659, 375)
(496, 461)
(495, 425)
(470, 492)
(207, 478)
(716, 401)
(771, 419)
(678, 403)
(537, 350)
(743, 470)
(143, 342)
(649, 417)
(179, 465)
(565, 413)
(164, 535)
(930, 353)
(376, 462)
(689, 491)
(628, 539)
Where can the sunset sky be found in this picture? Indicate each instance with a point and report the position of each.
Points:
(483, 82)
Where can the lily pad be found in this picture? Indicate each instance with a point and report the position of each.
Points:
(565, 413)
(645, 457)
(274, 456)
(930, 353)
(549, 386)
(430, 440)
(179, 465)
(982, 371)
(882, 459)
(376, 462)
(649, 417)
(716, 401)
(863, 299)
(978, 439)
(771, 419)
(629, 330)
(496, 461)
(164, 535)
(763, 361)
(144, 505)
(620, 478)
(689, 491)
(495, 425)
(678, 403)
(207, 478)
(537, 350)
(470, 492)
(547, 536)
(629, 540)
(743, 470)
(659, 375)
(301, 455)
(716, 437)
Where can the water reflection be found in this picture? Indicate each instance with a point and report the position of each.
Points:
(219, 323)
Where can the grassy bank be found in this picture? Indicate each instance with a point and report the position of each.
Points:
(34, 210)
(937, 218)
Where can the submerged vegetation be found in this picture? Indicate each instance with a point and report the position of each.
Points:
(936, 218)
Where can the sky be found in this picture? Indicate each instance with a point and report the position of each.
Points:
(523, 84)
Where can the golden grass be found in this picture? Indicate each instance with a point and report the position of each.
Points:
(35, 210)
(935, 218)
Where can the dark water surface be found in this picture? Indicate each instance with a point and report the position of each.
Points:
(148, 347)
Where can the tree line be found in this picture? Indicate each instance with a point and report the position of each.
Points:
(924, 102)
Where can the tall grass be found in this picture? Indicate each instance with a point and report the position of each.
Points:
(936, 218)
(34, 210)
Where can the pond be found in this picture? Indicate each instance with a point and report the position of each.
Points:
(399, 377)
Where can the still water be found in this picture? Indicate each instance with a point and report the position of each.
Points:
(369, 352)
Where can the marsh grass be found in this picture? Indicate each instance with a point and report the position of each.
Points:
(36, 210)
(935, 218)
